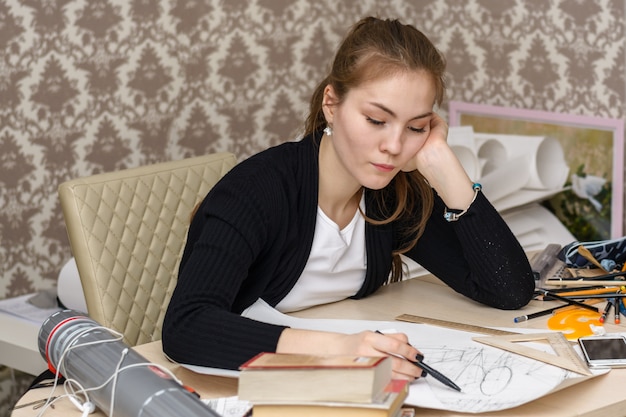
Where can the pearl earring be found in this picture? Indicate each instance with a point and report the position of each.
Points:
(328, 130)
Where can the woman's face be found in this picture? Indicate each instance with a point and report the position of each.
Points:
(380, 126)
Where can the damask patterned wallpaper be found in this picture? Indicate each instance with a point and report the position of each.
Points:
(89, 86)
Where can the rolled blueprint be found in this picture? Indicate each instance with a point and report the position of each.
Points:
(84, 351)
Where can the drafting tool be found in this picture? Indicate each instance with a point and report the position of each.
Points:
(419, 361)
(555, 310)
(565, 356)
(597, 296)
(507, 341)
(574, 324)
(453, 325)
(592, 274)
(592, 291)
(607, 308)
(541, 313)
(543, 261)
(576, 282)
(573, 277)
(547, 293)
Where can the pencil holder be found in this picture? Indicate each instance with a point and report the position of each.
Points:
(603, 250)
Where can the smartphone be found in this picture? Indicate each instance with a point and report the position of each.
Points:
(604, 351)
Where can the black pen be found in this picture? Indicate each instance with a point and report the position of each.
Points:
(436, 374)
(430, 371)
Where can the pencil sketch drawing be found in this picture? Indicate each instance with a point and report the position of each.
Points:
(491, 379)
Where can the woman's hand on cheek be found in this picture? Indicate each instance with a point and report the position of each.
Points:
(436, 154)
(434, 143)
(442, 169)
(438, 129)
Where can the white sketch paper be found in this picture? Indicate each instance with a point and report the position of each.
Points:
(491, 379)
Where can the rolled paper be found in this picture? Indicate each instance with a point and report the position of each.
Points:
(546, 161)
(468, 159)
(506, 178)
(461, 141)
(492, 153)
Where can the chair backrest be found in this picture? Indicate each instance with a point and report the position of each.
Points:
(127, 230)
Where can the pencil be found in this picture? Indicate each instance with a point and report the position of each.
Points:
(591, 296)
(616, 302)
(607, 308)
(589, 287)
(622, 307)
(570, 301)
(558, 309)
(593, 291)
(541, 313)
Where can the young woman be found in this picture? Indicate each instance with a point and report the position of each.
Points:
(327, 217)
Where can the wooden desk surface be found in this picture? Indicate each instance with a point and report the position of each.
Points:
(603, 396)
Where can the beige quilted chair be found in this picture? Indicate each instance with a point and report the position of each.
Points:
(127, 231)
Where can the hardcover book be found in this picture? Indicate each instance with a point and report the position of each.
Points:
(295, 377)
(389, 405)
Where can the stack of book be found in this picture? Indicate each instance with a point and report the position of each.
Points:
(306, 385)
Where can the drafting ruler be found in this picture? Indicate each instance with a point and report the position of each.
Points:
(453, 325)
(565, 356)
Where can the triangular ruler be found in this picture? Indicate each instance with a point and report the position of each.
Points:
(564, 354)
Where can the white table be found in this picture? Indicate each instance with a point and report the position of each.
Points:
(18, 344)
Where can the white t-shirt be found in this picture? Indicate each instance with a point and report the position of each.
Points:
(336, 266)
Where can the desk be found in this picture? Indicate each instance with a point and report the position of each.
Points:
(18, 345)
(603, 396)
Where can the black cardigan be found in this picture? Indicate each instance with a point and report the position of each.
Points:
(251, 239)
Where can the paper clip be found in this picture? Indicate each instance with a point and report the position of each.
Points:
(37, 403)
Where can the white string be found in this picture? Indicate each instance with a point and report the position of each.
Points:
(57, 372)
(114, 384)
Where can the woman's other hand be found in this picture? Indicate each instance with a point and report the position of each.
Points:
(442, 169)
